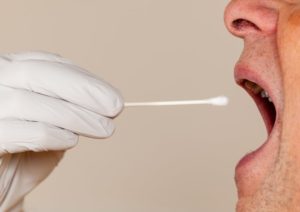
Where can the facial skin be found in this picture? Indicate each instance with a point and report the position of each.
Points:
(269, 178)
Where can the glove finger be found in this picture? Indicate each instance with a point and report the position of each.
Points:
(62, 80)
(26, 105)
(19, 136)
(37, 55)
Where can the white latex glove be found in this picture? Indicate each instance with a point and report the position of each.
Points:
(45, 103)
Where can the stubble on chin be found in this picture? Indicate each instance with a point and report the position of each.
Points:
(279, 192)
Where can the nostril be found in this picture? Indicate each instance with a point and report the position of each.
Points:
(240, 25)
(248, 18)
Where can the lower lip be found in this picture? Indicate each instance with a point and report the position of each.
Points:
(270, 145)
(249, 157)
(244, 161)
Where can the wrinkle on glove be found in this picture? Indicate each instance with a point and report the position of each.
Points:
(26, 105)
(46, 103)
(39, 145)
(60, 79)
(20, 173)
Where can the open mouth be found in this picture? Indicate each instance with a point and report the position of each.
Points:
(263, 101)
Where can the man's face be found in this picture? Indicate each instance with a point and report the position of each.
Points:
(268, 179)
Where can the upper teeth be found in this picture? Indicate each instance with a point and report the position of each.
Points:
(264, 94)
(256, 89)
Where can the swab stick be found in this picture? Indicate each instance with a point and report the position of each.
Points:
(216, 101)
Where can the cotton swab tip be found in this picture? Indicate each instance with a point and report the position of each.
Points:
(220, 101)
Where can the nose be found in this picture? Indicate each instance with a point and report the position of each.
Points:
(244, 18)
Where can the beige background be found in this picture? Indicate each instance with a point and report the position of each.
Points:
(159, 159)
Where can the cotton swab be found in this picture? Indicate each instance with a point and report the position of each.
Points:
(216, 101)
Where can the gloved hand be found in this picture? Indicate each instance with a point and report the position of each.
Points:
(45, 103)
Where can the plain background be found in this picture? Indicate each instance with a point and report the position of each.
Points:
(177, 159)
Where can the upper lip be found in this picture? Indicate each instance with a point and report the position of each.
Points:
(244, 72)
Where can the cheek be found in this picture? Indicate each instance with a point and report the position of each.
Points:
(288, 41)
(288, 38)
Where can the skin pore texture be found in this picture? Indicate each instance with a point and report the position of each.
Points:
(269, 178)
